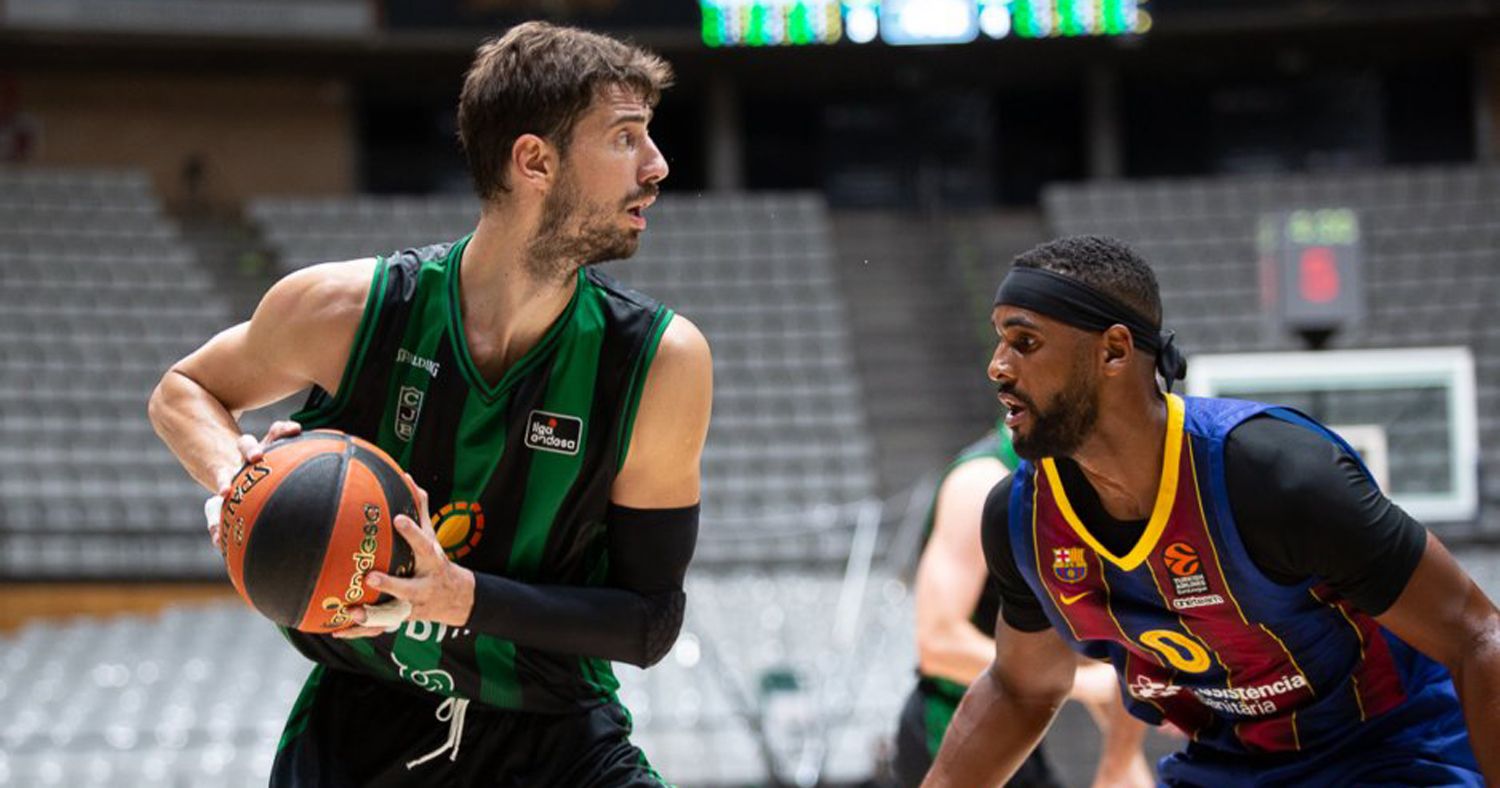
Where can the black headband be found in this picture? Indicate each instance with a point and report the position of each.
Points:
(1081, 306)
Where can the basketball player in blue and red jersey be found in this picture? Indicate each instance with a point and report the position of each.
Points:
(1233, 560)
(957, 602)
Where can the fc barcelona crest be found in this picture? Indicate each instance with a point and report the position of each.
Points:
(1068, 564)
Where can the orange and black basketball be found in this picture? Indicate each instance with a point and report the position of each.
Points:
(1181, 558)
(303, 526)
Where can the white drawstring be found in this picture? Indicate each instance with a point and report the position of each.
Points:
(451, 711)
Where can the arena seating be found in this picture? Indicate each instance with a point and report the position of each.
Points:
(1431, 246)
(759, 653)
(198, 695)
(99, 297)
(307, 231)
(194, 697)
(789, 442)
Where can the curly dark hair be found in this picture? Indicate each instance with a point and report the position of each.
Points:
(540, 79)
(1104, 263)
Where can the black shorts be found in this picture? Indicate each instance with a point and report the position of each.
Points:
(349, 730)
(924, 720)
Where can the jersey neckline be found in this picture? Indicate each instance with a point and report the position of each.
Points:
(460, 340)
(1161, 511)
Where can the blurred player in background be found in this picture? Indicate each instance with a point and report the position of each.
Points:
(553, 418)
(957, 606)
(1233, 560)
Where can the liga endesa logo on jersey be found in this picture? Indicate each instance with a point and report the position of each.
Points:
(553, 432)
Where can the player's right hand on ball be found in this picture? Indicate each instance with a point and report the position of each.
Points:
(250, 451)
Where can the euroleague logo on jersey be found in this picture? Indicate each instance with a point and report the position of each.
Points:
(1182, 559)
(1188, 582)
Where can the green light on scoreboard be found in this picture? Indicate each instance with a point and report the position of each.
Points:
(713, 24)
(1073, 18)
(1323, 227)
(758, 35)
(762, 23)
(1121, 18)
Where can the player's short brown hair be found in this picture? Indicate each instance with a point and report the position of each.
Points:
(540, 79)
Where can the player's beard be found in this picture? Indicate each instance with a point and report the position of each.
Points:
(1060, 428)
(575, 232)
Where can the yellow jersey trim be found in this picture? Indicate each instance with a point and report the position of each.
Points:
(1166, 495)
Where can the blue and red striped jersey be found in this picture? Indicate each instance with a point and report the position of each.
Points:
(1199, 636)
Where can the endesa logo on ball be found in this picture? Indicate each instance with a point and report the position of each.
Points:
(364, 560)
(553, 432)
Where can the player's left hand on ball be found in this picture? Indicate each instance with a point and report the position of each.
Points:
(438, 590)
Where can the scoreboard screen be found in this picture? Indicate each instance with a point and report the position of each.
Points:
(913, 22)
(1311, 267)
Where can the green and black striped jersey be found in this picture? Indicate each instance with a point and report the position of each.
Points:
(518, 473)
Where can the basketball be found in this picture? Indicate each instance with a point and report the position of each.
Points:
(303, 526)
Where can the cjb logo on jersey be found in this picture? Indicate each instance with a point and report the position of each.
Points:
(409, 399)
(408, 410)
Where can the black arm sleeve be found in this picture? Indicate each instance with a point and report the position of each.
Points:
(635, 620)
(1018, 605)
(1306, 509)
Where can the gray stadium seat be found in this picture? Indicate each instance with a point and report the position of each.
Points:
(98, 296)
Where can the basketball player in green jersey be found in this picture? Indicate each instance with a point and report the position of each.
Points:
(554, 419)
(957, 603)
